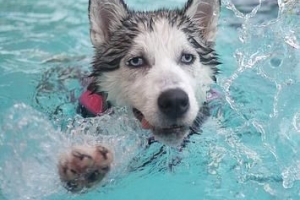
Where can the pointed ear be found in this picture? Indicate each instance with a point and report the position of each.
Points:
(104, 15)
(205, 14)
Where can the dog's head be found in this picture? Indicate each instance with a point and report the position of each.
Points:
(160, 63)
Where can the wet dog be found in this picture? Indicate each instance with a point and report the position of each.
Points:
(160, 64)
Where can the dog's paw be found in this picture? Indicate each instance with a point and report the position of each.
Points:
(84, 167)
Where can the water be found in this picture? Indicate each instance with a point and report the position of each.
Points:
(249, 149)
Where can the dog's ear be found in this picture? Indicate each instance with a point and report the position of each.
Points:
(205, 13)
(104, 15)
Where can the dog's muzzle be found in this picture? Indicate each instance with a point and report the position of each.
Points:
(173, 104)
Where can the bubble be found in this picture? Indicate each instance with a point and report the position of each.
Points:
(275, 62)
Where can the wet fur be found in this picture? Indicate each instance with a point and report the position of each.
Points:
(119, 34)
(161, 38)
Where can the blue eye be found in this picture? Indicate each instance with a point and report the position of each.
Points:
(136, 62)
(187, 58)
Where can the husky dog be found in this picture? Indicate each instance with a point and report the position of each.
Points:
(160, 64)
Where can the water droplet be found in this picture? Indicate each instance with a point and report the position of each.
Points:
(296, 122)
(275, 62)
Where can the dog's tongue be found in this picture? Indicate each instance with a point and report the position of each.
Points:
(146, 124)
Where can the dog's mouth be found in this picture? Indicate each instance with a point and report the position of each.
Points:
(171, 135)
(146, 125)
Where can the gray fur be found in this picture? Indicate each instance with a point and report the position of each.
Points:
(159, 39)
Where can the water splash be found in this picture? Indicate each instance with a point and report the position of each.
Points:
(32, 147)
(290, 175)
(249, 149)
(267, 57)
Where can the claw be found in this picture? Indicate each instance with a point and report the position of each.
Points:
(80, 155)
(103, 151)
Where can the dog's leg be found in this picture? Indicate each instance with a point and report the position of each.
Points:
(84, 167)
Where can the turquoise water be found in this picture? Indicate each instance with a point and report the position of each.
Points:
(249, 148)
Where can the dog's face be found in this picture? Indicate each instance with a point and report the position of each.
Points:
(160, 63)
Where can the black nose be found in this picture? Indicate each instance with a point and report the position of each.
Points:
(173, 103)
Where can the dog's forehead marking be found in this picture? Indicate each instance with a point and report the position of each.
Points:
(163, 42)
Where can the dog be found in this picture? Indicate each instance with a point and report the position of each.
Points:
(160, 64)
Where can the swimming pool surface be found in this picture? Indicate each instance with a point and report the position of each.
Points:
(249, 148)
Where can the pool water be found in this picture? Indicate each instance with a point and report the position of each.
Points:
(248, 149)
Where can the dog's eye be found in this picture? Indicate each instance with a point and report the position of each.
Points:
(187, 58)
(135, 62)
